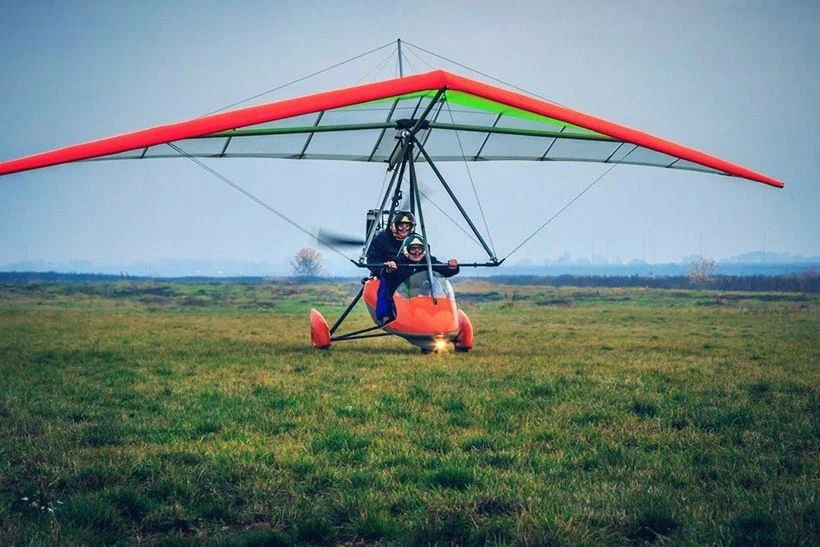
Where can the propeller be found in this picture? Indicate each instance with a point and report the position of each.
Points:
(340, 240)
(343, 240)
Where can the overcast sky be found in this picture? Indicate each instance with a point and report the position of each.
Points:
(738, 79)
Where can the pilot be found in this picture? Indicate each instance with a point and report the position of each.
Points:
(412, 252)
(387, 244)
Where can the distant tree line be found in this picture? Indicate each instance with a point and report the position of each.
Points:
(88, 277)
(808, 282)
(804, 282)
(57, 276)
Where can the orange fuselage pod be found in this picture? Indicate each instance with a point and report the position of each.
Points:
(420, 319)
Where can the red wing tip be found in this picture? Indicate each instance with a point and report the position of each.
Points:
(765, 180)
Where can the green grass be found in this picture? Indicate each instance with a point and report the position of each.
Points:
(190, 412)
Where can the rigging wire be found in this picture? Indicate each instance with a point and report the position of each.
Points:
(381, 189)
(470, 175)
(434, 204)
(485, 75)
(564, 208)
(429, 200)
(226, 180)
(379, 66)
(376, 75)
(421, 59)
(412, 66)
(301, 79)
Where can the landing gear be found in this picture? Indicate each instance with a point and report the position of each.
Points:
(464, 340)
(319, 330)
(322, 335)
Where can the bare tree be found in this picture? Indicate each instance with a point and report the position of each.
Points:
(307, 263)
(701, 270)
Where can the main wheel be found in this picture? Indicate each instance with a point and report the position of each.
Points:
(464, 340)
(319, 330)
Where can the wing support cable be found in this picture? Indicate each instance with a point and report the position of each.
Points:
(377, 69)
(417, 56)
(562, 209)
(429, 200)
(451, 219)
(247, 194)
(303, 78)
(412, 66)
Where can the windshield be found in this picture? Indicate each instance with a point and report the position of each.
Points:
(418, 285)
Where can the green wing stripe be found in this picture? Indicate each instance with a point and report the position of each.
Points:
(471, 101)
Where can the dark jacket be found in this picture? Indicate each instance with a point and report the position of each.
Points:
(394, 279)
(384, 247)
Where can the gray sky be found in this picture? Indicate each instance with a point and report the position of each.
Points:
(736, 79)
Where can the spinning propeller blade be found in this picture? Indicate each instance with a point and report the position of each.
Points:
(341, 240)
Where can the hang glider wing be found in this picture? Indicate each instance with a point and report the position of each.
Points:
(470, 120)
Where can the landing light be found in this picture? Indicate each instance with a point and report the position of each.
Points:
(441, 345)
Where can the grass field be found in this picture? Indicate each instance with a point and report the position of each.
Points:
(183, 412)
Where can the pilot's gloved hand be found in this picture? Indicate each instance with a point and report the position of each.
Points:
(390, 266)
(452, 263)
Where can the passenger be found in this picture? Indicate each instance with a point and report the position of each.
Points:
(412, 253)
(387, 244)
